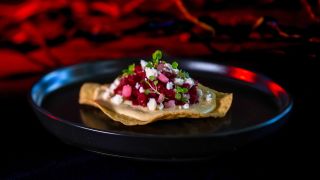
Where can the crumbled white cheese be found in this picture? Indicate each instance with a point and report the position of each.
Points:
(143, 63)
(180, 107)
(141, 89)
(185, 106)
(137, 85)
(189, 81)
(167, 65)
(209, 97)
(168, 68)
(161, 106)
(178, 81)
(151, 72)
(176, 71)
(114, 85)
(199, 92)
(152, 104)
(117, 99)
(169, 85)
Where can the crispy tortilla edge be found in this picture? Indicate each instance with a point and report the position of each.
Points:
(88, 93)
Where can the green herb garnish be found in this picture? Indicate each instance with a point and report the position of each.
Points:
(147, 91)
(157, 55)
(183, 74)
(152, 78)
(155, 82)
(183, 99)
(181, 89)
(131, 67)
(174, 65)
(129, 70)
(149, 64)
(178, 96)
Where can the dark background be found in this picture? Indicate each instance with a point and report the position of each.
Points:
(277, 38)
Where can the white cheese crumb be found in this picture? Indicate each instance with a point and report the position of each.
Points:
(152, 104)
(169, 85)
(114, 85)
(199, 92)
(161, 106)
(137, 85)
(180, 107)
(190, 82)
(151, 72)
(178, 81)
(143, 63)
(141, 90)
(117, 99)
(209, 97)
(167, 65)
(176, 71)
(185, 106)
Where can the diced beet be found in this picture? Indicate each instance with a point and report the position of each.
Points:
(160, 67)
(193, 95)
(123, 81)
(142, 99)
(169, 75)
(126, 91)
(170, 94)
(167, 97)
(131, 80)
(161, 98)
(161, 87)
(179, 102)
(118, 90)
(169, 104)
(185, 85)
(152, 95)
(138, 69)
(163, 78)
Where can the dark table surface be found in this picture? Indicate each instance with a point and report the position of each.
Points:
(29, 151)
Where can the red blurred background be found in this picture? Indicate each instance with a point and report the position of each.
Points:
(278, 38)
(37, 36)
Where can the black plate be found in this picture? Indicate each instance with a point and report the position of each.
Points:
(259, 107)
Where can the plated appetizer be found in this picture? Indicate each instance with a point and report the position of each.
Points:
(154, 90)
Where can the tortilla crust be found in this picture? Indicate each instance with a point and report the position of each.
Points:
(90, 94)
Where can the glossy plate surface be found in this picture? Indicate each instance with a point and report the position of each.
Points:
(259, 107)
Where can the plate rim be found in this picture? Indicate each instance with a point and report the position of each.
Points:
(284, 112)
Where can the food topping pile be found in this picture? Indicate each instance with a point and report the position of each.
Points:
(156, 84)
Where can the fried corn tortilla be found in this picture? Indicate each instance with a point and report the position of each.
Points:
(127, 114)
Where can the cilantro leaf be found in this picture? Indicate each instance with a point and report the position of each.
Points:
(186, 74)
(155, 82)
(178, 89)
(174, 65)
(184, 90)
(147, 91)
(178, 96)
(129, 70)
(152, 78)
(157, 55)
(183, 99)
(181, 89)
(131, 67)
(149, 64)
(183, 74)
